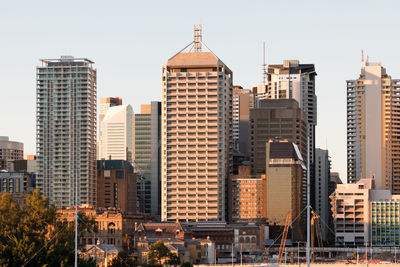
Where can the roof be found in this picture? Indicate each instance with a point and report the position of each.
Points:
(280, 150)
(114, 164)
(196, 59)
(104, 248)
(160, 227)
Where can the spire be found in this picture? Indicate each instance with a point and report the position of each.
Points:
(264, 71)
(197, 38)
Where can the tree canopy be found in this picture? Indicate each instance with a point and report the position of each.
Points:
(32, 235)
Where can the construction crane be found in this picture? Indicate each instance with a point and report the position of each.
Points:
(141, 193)
(315, 228)
(284, 236)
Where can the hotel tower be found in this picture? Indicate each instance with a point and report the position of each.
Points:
(373, 141)
(196, 134)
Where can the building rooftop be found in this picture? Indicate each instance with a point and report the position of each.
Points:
(114, 164)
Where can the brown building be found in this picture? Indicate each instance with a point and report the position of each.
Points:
(116, 185)
(112, 224)
(160, 230)
(275, 118)
(286, 185)
(248, 237)
(247, 199)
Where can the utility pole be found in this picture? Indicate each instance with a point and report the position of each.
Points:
(232, 254)
(308, 196)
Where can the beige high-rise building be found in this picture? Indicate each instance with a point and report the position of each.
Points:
(373, 145)
(196, 135)
(285, 185)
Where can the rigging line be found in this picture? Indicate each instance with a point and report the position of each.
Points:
(273, 243)
(51, 239)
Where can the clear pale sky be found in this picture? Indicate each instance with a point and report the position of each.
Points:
(130, 40)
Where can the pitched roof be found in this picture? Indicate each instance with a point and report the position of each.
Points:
(197, 59)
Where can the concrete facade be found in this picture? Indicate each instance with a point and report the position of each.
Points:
(116, 185)
(10, 151)
(275, 119)
(66, 101)
(372, 142)
(285, 185)
(247, 199)
(196, 137)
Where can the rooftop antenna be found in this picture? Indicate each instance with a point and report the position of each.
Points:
(362, 58)
(264, 71)
(197, 38)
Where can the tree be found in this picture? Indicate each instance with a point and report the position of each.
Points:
(32, 234)
(158, 251)
(127, 241)
(173, 259)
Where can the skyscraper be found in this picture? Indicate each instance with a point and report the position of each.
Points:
(275, 118)
(373, 146)
(322, 179)
(147, 156)
(66, 130)
(242, 102)
(116, 138)
(196, 135)
(294, 80)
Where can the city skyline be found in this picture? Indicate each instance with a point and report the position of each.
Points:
(116, 43)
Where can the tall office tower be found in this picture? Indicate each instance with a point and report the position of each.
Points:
(196, 135)
(105, 104)
(322, 179)
(10, 151)
(275, 118)
(285, 185)
(66, 130)
(147, 156)
(242, 102)
(116, 138)
(297, 81)
(373, 146)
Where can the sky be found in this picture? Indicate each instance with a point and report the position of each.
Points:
(130, 41)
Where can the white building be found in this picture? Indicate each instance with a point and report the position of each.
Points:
(116, 139)
(66, 96)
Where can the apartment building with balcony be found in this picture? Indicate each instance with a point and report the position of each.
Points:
(66, 103)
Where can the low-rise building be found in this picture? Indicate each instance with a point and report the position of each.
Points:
(246, 196)
(102, 254)
(112, 225)
(19, 184)
(10, 151)
(363, 214)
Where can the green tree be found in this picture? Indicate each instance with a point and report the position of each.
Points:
(173, 259)
(158, 251)
(31, 234)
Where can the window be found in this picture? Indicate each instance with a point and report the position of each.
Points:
(119, 174)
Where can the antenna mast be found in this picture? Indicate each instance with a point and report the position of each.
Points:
(197, 37)
(264, 71)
